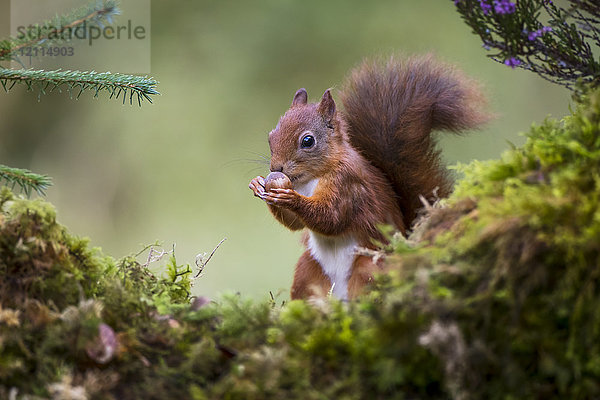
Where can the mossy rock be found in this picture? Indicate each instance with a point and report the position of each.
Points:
(494, 295)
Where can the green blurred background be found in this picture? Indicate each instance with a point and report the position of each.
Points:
(177, 171)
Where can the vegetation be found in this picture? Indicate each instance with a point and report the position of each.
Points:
(60, 30)
(495, 295)
(44, 36)
(24, 179)
(559, 42)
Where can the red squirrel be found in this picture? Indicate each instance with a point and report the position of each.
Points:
(351, 171)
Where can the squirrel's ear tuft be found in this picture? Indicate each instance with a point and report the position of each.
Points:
(327, 106)
(301, 97)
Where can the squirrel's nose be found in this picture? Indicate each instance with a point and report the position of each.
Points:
(276, 168)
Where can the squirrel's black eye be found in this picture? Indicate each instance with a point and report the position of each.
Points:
(308, 141)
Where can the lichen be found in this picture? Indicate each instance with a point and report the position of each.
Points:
(494, 295)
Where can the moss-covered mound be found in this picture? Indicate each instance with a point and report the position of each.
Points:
(495, 296)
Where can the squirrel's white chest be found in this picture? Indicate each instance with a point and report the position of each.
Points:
(335, 254)
(308, 188)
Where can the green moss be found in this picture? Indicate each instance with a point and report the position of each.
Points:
(495, 295)
(519, 249)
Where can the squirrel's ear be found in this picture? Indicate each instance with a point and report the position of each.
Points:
(327, 106)
(301, 97)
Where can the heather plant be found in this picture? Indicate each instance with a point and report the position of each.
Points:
(557, 40)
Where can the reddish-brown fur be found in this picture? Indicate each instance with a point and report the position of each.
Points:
(309, 279)
(372, 161)
(391, 109)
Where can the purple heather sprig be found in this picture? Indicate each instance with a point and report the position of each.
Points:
(485, 6)
(535, 34)
(504, 7)
(556, 40)
(512, 62)
(499, 6)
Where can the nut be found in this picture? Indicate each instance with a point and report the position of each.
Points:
(277, 180)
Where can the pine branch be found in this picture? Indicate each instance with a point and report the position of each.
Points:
(79, 81)
(25, 179)
(59, 30)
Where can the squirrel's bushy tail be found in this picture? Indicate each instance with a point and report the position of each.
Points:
(392, 107)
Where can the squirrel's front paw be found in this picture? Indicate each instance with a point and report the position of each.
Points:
(257, 185)
(282, 197)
